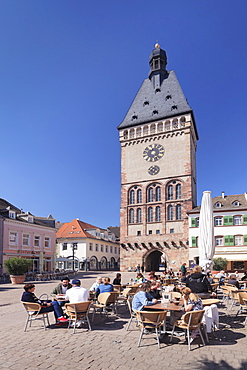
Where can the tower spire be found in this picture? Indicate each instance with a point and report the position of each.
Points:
(157, 62)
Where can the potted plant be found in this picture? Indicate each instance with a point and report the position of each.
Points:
(17, 268)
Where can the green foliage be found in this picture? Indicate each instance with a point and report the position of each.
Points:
(17, 266)
(220, 263)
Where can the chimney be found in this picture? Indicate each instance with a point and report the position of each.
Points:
(223, 194)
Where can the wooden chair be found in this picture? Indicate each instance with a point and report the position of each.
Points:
(150, 320)
(112, 300)
(101, 305)
(190, 321)
(33, 313)
(117, 288)
(78, 312)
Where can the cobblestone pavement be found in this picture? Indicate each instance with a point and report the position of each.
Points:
(109, 345)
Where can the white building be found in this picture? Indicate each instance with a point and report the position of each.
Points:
(230, 230)
(90, 247)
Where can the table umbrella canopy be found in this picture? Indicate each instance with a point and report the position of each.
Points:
(206, 233)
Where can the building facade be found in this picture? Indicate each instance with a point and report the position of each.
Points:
(82, 246)
(230, 230)
(25, 235)
(158, 139)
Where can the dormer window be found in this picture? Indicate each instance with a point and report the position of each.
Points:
(30, 219)
(218, 205)
(236, 203)
(12, 215)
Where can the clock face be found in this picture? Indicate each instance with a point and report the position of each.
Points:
(153, 170)
(153, 152)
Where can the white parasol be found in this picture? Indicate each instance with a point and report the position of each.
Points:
(206, 233)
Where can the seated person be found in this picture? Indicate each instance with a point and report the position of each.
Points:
(117, 280)
(143, 297)
(244, 277)
(155, 290)
(210, 278)
(198, 283)
(96, 284)
(233, 281)
(29, 296)
(61, 288)
(139, 279)
(171, 273)
(77, 293)
(152, 276)
(104, 287)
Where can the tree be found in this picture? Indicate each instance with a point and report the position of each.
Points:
(220, 263)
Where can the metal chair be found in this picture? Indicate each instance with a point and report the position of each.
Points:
(150, 320)
(190, 321)
(78, 312)
(33, 313)
(133, 315)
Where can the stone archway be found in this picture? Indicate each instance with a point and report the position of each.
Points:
(152, 261)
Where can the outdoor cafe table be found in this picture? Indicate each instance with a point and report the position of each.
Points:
(209, 301)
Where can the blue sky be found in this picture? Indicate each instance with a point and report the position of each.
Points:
(69, 70)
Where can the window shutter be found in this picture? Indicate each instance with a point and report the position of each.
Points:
(193, 222)
(245, 239)
(193, 241)
(231, 240)
(245, 219)
(230, 220)
(226, 240)
(226, 220)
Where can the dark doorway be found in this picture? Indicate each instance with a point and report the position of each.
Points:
(152, 261)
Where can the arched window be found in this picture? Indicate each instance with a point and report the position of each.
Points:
(126, 134)
(157, 214)
(138, 132)
(139, 196)
(145, 130)
(152, 128)
(158, 194)
(138, 215)
(132, 133)
(150, 214)
(93, 263)
(160, 126)
(178, 191)
(103, 263)
(112, 263)
(132, 197)
(167, 125)
(170, 212)
(170, 192)
(178, 212)
(175, 123)
(131, 216)
(150, 194)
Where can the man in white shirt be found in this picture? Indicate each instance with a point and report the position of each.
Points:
(77, 293)
(96, 284)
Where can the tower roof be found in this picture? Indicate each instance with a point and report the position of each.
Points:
(160, 96)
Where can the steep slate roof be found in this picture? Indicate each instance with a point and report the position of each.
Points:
(226, 203)
(75, 229)
(157, 102)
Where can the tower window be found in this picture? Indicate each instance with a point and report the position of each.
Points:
(174, 107)
(138, 232)
(178, 212)
(146, 103)
(170, 213)
(132, 197)
(157, 214)
(158, 194)
(138, 215)
(139, 196)
(168, 96)
(155, 111)
(157, 90)
(178, 191)
(131, 216)
(150, 214)
(150, 232)
(150, 194)
(170, 192)
(134, 117)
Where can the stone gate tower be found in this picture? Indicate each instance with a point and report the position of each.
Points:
(158, 171)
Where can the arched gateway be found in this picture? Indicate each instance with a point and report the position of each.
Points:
(152, 260)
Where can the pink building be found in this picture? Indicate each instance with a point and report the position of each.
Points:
(28, 236)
